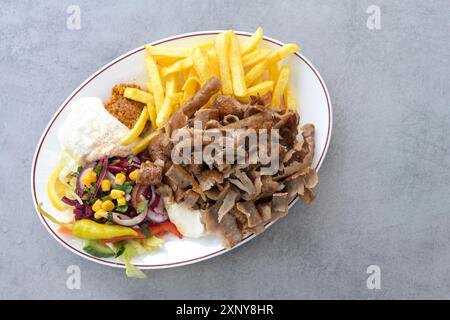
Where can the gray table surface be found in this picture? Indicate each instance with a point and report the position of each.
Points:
(383, 197)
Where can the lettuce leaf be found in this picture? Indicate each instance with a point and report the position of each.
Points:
(129, 253)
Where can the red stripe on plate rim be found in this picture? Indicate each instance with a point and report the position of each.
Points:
(95, 75)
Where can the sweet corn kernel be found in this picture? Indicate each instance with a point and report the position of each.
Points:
(108, 205)
(120, 179)
(121, 201)
(97, 205)
(116, 194)
(89, 178)
(133, 175)
(101, 214)
(106, 185)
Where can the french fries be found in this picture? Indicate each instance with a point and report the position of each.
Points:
(134, 133)
(283, 52)
(171, 84)
(253, 42)
(274, 71)
(167, 109)
(178, 66)
(222, 45)
(143, 144)
(254, 57)
(190, 87)
(289, 98)
(213, 62)
(152, 114)
(237, 70)
(155, 81)
(175, 74)
(138, 95)
(205, 45)
(274, 57)
(201, 66)
(280, 86)
(261, 88)
(169, 52)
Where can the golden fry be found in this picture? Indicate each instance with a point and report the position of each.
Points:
(148, 85)
(281, 85)
(274, 57)
(252, 43)
(143, 144)
(205, 45)
(165, 61)
(237, 70)
(201, 66)
(171, 84)
(213, 62)
(167, 109)
(255, 72)
(134, 133)
(274, 71)
(190, 87)
(169, 52)
(283, 52)
(222, 45)
(254, 57)
(289, 98)
(261, 88)
(138, 95)
(178, 66)
(155, 81)
(152, 114)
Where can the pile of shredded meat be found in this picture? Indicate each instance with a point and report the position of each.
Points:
(234, 199)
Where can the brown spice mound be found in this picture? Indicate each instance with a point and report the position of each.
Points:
(125, 110)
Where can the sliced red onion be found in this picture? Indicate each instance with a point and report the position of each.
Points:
(70, 202)
(126, 221)
(77, 197)
(156, 217)
(110, 176)
(101, 176)
(152, 199)
(135, 159)
(80, 184)
(115, 169)
(155, 206)
(88, 212)
(137, 194)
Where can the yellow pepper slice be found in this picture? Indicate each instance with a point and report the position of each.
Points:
(91, 230)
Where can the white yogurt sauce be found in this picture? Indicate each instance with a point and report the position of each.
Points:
(90, 132)
(187, 221)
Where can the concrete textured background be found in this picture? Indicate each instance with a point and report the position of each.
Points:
(383, 196)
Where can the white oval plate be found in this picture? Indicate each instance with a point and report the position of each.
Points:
(314, 104)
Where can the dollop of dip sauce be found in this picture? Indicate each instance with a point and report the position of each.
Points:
(90, 132)
(187, 221)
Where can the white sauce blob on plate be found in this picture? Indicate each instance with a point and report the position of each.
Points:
(187, 221)
(90, 132)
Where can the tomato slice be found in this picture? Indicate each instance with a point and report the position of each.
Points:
(165, 227)
(158, 230)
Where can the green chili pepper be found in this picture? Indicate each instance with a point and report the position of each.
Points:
(91, 230)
